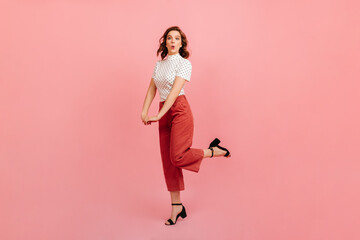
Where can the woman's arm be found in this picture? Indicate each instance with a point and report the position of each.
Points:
(174, 93)
(149, 97)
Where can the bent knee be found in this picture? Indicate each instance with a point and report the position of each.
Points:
(176, 160)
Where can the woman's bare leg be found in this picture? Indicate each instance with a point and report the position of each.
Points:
(176, 209)
(217, 152)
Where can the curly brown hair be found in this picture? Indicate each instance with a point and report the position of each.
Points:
(163, 49)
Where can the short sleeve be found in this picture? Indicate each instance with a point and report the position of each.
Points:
(155, 69)
(184, 70)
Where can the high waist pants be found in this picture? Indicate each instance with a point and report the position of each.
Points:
(176, 130)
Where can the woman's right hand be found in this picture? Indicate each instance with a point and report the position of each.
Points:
(145, 118)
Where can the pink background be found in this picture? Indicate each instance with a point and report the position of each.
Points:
(276, 81)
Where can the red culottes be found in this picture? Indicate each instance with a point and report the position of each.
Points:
(176, 130)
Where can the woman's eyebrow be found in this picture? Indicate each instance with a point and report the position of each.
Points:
(175, 36)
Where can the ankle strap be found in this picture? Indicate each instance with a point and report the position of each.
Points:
(176, 204)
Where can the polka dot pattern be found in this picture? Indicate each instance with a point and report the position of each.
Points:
(166, 70)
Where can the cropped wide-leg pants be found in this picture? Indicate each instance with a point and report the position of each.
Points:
(176, 130)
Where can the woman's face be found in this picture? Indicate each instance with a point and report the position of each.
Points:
(173, 42)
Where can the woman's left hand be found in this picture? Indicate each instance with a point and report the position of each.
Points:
(153, 119)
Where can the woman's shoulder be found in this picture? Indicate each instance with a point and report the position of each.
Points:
(157, 63)
(185, 62)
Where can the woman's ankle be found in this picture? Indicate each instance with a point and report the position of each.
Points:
(207, 153)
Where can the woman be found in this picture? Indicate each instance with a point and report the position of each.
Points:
(175, 118)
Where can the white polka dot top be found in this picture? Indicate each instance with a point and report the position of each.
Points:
(166, 70)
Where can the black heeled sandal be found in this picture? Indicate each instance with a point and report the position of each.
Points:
(181, 214)
(215, 143)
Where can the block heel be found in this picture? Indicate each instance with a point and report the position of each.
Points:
(215, 143)
(181, 214)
